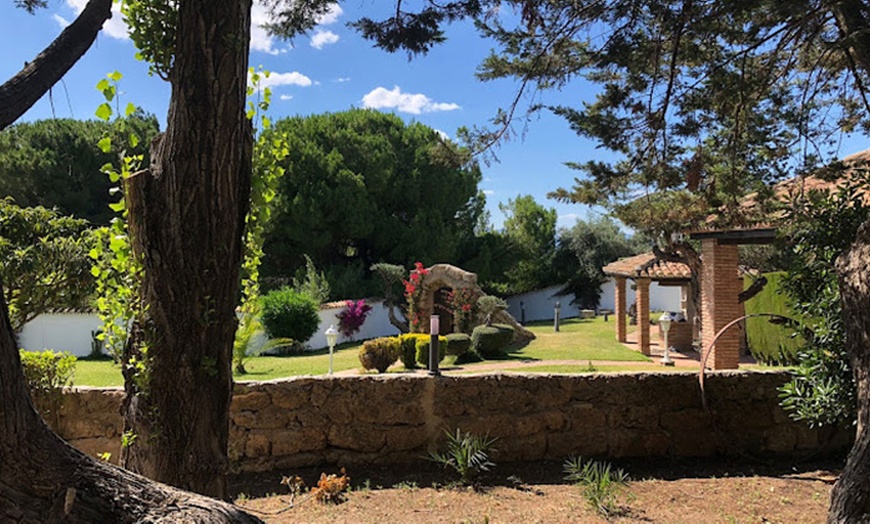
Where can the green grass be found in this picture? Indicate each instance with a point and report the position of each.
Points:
(579, 339)
(582, 369)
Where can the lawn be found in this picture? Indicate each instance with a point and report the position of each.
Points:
(583, 340)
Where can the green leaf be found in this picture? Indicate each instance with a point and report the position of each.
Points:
(95, 271)
(134, 140)
(115, 76)
(105, 144)
(104, 112)
(130, 109)
(118, 206)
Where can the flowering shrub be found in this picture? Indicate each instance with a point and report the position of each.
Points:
(352, 318)
(413, 290)
(463, 305)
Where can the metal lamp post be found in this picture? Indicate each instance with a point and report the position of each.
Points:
(434, 329)
(556, 315)
(665, 323)
(331, 339)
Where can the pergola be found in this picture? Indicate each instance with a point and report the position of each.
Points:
(644, 269)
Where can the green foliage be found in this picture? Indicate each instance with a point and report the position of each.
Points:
(769, 343)
(363, 186)
(489, 305)
(47, 373)
(312, 283)
(466, 453)
(249, 329)
(423, 346)
(821, 227)
(45, 263)
(289, 314)
(408, 350)
(531, 231)
(581, 253)
(457, 344)
(602, 485)
(57, 163)
(491, 341)
(380, 353)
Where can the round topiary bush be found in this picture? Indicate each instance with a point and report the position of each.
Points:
(288, 314)
(408, 351)
(458, 344)
(379, 353)
(491, 341)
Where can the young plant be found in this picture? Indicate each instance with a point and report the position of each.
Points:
(601, 484)
(467, 454)
(249, 329)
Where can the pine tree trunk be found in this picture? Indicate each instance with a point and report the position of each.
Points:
(850, 499)
(44, 479)
(186, 219)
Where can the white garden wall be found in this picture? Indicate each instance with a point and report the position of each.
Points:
(377, 324)
(60, 332)
(540, 304)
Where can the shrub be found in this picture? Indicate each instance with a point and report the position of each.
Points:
(458, 344)
(468, 357)
(601, 484)
(422, 349)
(47, 373)
(351, 319)
(467, 454)
(289, 314)
(379, 353)
(489, 305)
(490, 341)
(408, 351)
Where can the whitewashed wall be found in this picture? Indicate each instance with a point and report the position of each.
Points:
(377, 324)
(60, 332)
(540, 304)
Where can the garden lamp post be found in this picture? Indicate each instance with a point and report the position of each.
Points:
(556, 314)
(434, 328)
(665, 323)
(331, 339)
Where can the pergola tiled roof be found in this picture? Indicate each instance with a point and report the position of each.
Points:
(646, 265)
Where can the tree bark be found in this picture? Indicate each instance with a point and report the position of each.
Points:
(186, 221)
(44, 479)
(19, 93)
(850, 499)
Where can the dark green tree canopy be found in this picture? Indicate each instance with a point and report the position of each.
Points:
(530, 230)
(56, 164)
(363, 187)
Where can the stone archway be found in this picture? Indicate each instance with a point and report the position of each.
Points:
(441, 307)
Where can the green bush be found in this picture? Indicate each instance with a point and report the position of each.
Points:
(289, 314)
(408, 352)
(490, 341)
(47, 373)
(423, 350)
(469, 357)
(379, 353)
(458, 344)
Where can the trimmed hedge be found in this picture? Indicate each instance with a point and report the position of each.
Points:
(288, 314)
(408, 351)
(490, 341)
(423, 350)
(458, 344)
(379, 353)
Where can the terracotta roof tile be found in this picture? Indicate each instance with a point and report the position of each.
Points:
(646, 265)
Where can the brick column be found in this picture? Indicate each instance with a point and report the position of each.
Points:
(643, 315)
(621, 310)
(719, 303)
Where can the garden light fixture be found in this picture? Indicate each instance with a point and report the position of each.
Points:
(331, 339)
(665, 323)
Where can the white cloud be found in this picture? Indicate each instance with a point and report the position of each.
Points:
(442, 134)
(286, 97)
(260, 39)
(61, 21)
(294, 78)
(342, 79)
(114, 27)
(488, 192)
(322, 38)
(331, 16)
(382, 98)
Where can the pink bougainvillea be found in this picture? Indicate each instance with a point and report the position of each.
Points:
(352, 318)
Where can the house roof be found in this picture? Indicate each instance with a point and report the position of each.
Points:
(646, 265)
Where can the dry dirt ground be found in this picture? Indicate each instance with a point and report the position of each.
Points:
(660, 491)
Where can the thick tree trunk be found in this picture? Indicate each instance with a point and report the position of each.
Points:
(850, 499)
(43, 479)
(186, 220)
(20, 92)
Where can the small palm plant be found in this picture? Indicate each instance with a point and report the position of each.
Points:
(601, 484)
(249, 329)
(467, 454)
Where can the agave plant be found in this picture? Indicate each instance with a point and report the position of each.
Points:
(248, 331)
(467, 454)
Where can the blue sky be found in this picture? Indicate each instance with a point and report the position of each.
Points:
(334, 69)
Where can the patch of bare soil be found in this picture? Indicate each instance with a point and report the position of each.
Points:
(660, 491)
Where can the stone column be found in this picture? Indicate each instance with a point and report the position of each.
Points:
(621, 310)
(719, 303)
(643, 315)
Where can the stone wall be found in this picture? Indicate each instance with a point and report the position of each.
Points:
(398, 418)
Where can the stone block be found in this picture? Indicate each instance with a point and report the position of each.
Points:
(257, 445)
(290, 442)
(253, 401)
(357, 438)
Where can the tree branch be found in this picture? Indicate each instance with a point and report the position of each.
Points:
(23, 90)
